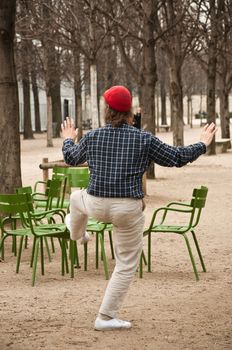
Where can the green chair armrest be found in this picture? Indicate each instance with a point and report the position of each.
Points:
(166, 210)
(179, 203)
(49, 213)
(37, 183)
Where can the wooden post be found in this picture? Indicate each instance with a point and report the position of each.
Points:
(45, 171)
(144, 185)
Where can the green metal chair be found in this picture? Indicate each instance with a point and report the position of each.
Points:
(30, 225)
(54, 194)
(79, 178)
(193, 211)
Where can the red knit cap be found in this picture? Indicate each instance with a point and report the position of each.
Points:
(118, 98)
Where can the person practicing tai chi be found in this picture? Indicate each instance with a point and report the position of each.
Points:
(118, 154)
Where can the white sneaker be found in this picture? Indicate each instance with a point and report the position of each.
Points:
(67, 221)
(85, 238)
(110, 325)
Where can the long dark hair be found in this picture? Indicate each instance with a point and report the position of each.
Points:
(116, 118)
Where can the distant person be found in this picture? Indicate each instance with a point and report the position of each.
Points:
(118, 154)
(137, 118)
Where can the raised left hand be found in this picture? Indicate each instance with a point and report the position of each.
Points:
(68, 129)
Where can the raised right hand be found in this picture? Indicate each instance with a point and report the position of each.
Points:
(208, 133)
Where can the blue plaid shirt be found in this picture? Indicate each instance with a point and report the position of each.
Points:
(118, 157)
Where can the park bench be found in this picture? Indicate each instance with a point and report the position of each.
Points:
(164, 127)
(222, 145)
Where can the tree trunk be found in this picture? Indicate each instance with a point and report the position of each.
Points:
(177, 103)
(211, 74)
(163, 103)
(10, 172)
(77, 92)
(211, 102)
(189, 109)
(157, 112)
(49, 122)
(93, 68)
(52, 72)
(56, 104)
(111, 61)
(224, 114)
(27, 126)
(148, 76)
(93, 96)
(36, 101)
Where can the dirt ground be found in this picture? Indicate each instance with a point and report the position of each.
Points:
(168, 308)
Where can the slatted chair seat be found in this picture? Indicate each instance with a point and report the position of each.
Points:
(169, 228)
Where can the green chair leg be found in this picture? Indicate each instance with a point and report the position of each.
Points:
(191, 257)
(65, 255)
(14, 238)
(111, 244)
(149, 253)
(26, 242)
(104, 257)
(52, 244)
(76, 255)
(19, 254)
(141, 267)
(199, 252)
(103, 237)
(62, 256)
(47, 248)
(2, 249)
(35, 261)
(97, 250)
(14, 245)
(42, 256)
(33, 252)
(144, 258)
(2, 246)
(85, 256)
(71, 254)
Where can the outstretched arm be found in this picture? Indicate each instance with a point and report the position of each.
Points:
(166, 155)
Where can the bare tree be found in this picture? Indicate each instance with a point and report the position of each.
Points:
(178, 34)
(225, 65)
(24, 58)
(206, 52)
(10, 172)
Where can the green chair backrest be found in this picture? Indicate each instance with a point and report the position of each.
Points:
(78, 170)
(198, 203)
(199, 197)
(16, 203)
(25, 189)
(79, 180)
(60, 170)
(65, 180)
(54, 194)
(78, 177)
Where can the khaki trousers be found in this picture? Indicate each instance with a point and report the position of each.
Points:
(128, 220)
